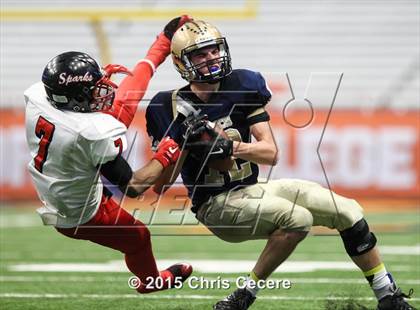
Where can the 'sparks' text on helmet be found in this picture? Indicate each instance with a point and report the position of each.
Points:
(74, 81)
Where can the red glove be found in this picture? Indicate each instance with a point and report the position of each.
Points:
(175, 24)
(168, 152)
(162, 46)
(133, 88)
(111, 69)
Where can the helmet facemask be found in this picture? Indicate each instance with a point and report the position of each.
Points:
(98, 97)
(217, 68)
(189, 39)
(103, 94)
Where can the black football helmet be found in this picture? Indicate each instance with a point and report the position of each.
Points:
(74, 81)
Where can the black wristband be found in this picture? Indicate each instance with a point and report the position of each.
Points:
(117, 171)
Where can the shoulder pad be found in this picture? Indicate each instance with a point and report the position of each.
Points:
(160, 98)
(102, 126)
(36, 93)
(158, 103)
(248, 79)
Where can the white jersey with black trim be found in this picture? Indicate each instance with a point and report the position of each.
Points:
(66, 148)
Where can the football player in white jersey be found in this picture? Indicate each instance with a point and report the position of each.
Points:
(75, 128)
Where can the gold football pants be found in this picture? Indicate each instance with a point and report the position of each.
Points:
(255, 211)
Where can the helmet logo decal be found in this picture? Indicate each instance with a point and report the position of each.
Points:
(58, 98)
(66, 79)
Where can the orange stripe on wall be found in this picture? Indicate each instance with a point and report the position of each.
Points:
(373, 121)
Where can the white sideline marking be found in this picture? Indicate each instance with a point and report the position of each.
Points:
(87, 279)
(400, 250)
(204, 266)
(347, 281)
(20, 220)
(119, 296)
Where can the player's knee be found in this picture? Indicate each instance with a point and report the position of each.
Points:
(358, 239)
(300, 219)
(349, 213)
(295, 236)
(282, 237)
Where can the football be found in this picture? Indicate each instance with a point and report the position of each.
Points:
(219, 164)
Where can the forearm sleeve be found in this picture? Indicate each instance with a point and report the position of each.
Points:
(130, 92)
(132, 88)
(118, 172)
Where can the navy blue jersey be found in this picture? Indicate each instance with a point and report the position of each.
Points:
(238, 104)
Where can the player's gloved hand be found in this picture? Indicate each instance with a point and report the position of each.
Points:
(161, 48)
(218, 148)
(194, 127)
(111, 69)
(167, 152)
(174, 24)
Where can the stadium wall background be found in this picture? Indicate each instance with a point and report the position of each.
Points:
(371, 144)
(364, 155)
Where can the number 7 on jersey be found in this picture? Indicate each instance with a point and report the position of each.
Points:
(45, 131)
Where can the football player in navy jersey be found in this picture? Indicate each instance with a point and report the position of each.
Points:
(214, 118)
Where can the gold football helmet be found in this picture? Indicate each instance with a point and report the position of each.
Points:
(191, 37)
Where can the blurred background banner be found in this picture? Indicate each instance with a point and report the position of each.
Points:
(370, 144)
(365, 155)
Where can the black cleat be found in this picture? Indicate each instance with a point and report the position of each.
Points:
(240, 299)
(179, 273)
(181, 270)
(396, 301)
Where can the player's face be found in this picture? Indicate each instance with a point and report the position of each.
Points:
(207, 59)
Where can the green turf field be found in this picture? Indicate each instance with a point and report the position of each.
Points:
(25, 241)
